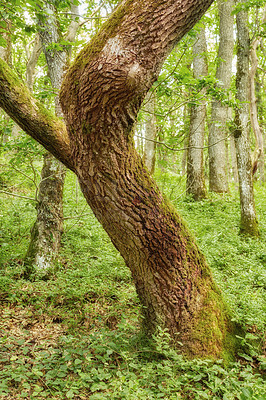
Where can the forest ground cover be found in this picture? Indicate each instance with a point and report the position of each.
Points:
(77, 334)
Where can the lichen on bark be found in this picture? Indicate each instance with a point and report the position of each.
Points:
(248, 222)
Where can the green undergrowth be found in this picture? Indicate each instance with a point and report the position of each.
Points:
(238, 263)
(117, 365)
(77, 334)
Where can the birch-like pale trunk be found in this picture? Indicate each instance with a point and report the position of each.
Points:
(258, 157)
(233, 162)
(150, 132)
(195, 184)
(218, 177)
(248, 223)
(5, 52)
(6, 55)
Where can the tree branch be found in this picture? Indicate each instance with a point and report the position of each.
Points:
(184, 148)
(17, 101)
(18, 195)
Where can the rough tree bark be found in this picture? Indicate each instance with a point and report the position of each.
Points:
(150, 132)
(219, 115)
(233, 162)
(6, 55)
(248, 223)
(195, 184)
(5, 52)
(101, 95)
(258, 157)
(32, 62)
(48, 228)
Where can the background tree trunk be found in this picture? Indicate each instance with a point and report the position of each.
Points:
(258, 154)
(32, 62)
(150, 132)
(248, 223)
(5, 52)
(195, 184)
(234, 162)
(217, 146)
(47, 230)
(48, 227)
(6, 55)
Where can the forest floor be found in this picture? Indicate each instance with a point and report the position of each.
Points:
(77, 334)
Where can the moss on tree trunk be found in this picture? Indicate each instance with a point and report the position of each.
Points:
(100, 97)
(248, 222)
(47, 229)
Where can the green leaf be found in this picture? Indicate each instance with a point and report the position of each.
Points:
(198, 377)
(98, 386)
(3, 42)
(70, 394)
(246, 394)
(26, 385)
(245, 356)
(25, 350)
(250, 336)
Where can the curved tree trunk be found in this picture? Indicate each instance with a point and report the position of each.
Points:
(248, 223)
(219, 116)
(101, 95)
(195, 167)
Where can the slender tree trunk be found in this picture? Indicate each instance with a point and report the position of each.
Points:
(30, 72)
(186, 136)
(32, 61)
(219, 116)
(5, 52)
(248, 223)
(47, 231)
(150, 132)
(258, 154)
(259, 83)
(139, 138)
(195, 166)
(234, 161)
(6, 55)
